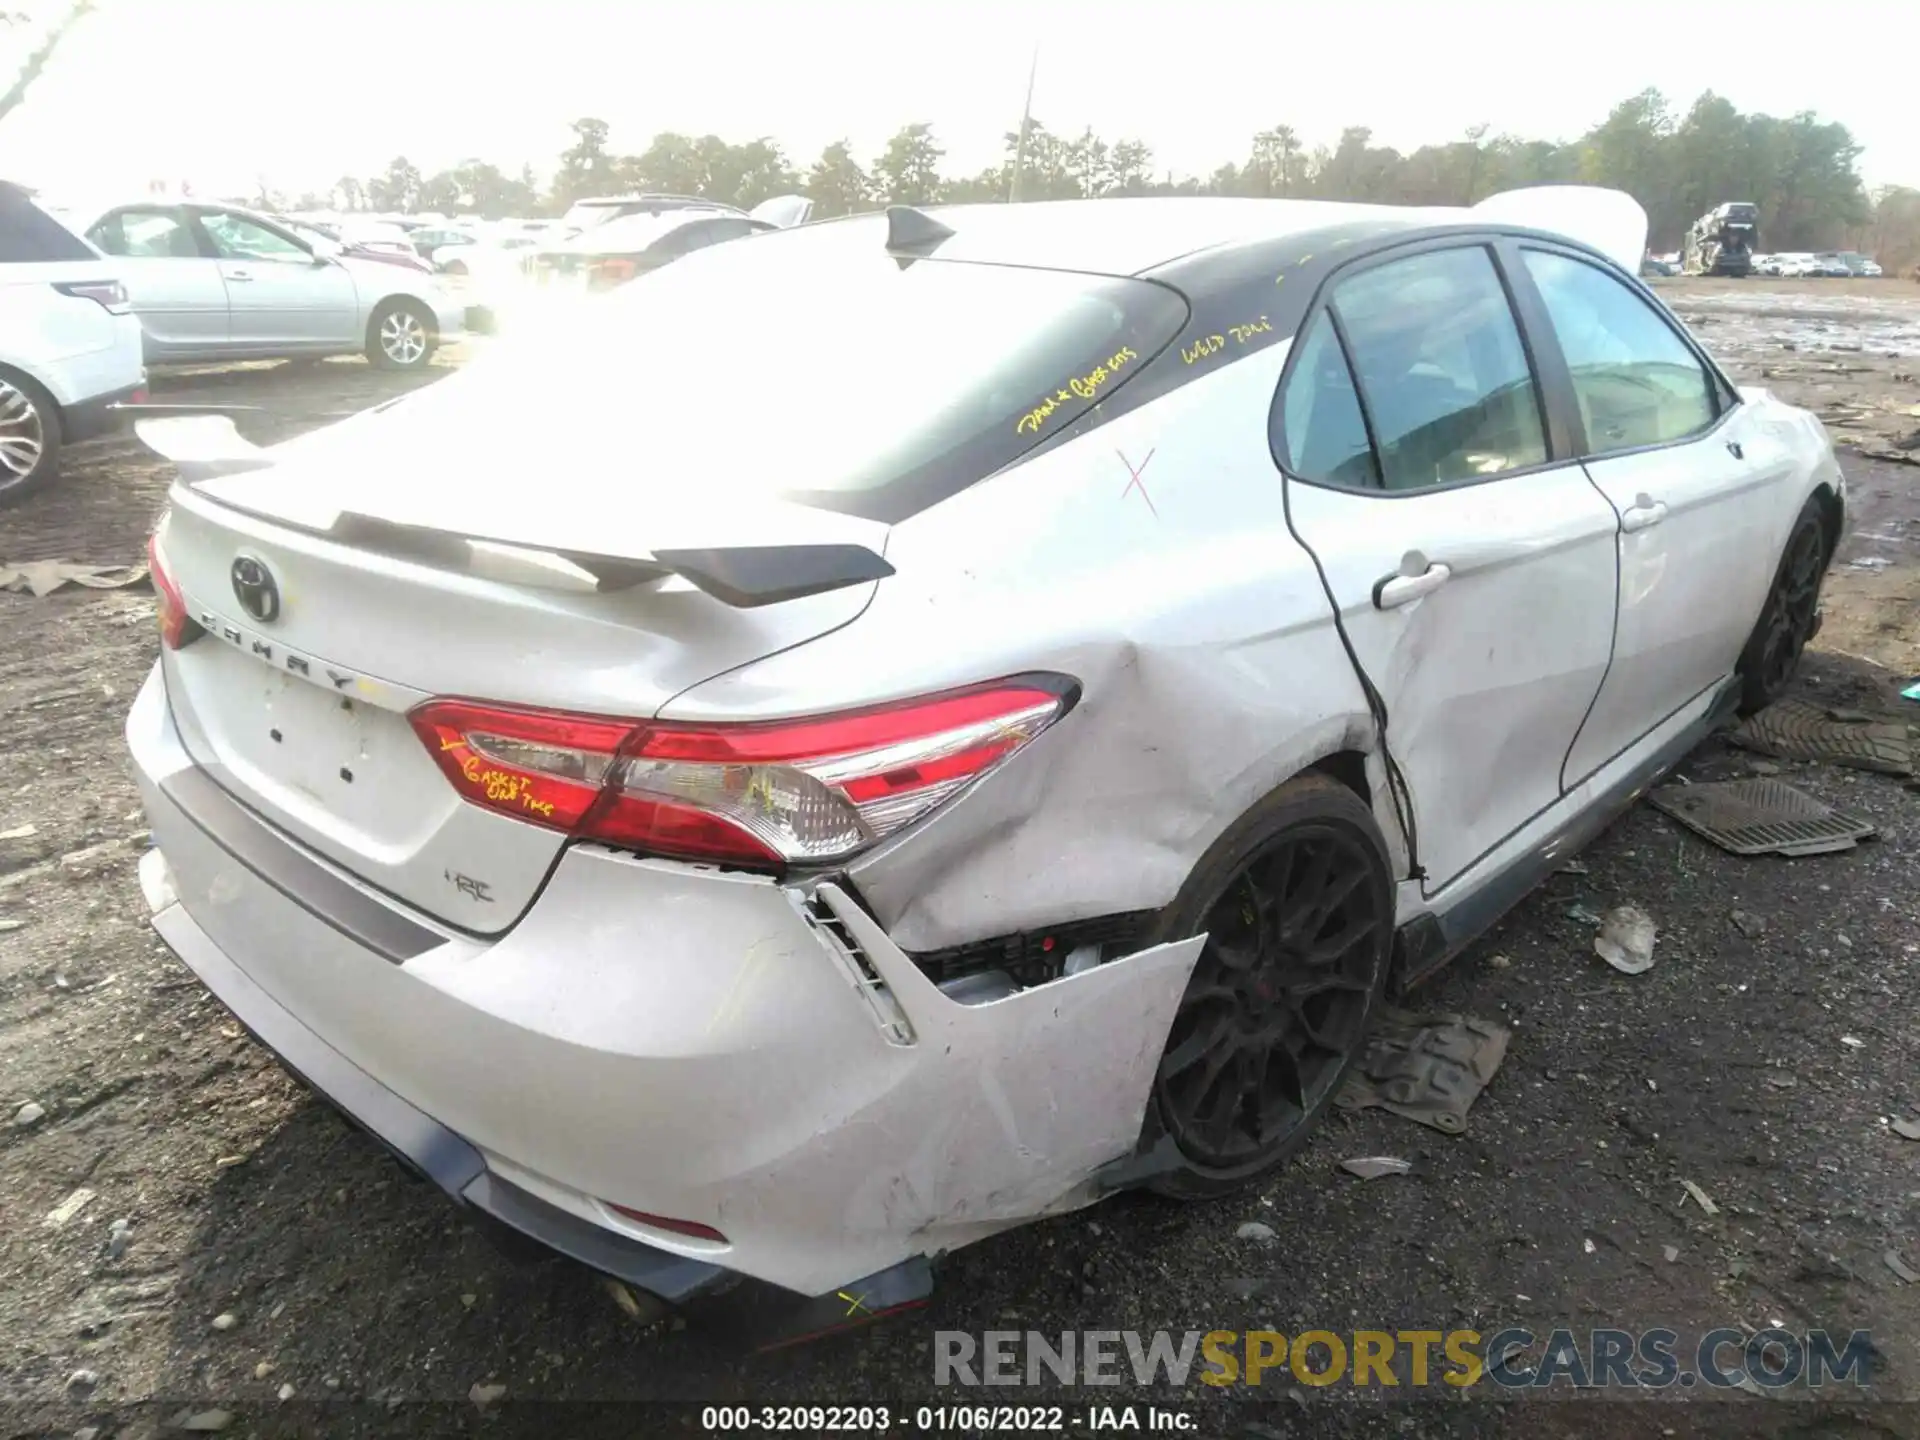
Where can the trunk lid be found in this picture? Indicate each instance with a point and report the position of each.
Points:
(299, 708)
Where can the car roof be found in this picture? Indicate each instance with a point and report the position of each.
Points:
(1128, 236)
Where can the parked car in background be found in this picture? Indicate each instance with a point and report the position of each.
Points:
(1858, 264)
(1831, 266)
(585, 214)
(213, 282)
(794, 841)
(69, 344)
(430, 240)
(323, 238)
(489, 254)
(614, 251)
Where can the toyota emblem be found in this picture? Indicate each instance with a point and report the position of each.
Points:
(254, 588)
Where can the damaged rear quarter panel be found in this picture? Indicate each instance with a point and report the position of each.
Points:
(1009, 1108)
(1210, 667)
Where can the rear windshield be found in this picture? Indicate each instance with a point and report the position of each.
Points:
(29, 235)
(810, 364)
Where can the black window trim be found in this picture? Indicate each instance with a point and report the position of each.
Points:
(1725, 395)
(1553, 400)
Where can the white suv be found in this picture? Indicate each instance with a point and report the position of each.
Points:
(69, 344)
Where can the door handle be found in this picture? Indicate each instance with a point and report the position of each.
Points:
(1416, 576)
(1734, 449)
(1645, 511)
(238, 274)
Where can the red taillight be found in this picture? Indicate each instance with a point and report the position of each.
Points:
(765, 795)
(177, 627)
(109, 294)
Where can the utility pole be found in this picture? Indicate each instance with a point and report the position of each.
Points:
(1026, 124)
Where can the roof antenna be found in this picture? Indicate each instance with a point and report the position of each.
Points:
(912, 233)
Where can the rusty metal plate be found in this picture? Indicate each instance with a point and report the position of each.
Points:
(1760, 817)
(1429, 1068)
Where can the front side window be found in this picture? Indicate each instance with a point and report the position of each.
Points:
(1325, 432)
(1441, 368)
(240, 239)
(1636, 380)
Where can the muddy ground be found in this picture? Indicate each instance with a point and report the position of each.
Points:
(1761, 1059)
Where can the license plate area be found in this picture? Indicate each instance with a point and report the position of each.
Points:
(339, 764)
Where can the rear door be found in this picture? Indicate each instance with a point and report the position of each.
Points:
(279, 293)
(1690, 473)
(1470, 560)
(172, 279)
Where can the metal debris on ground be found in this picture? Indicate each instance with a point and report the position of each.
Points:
(1372, 1167)
(1626, 939)
(1907, 1129)
(1912, 692)
(1798, 730)
(1900, 1267)
(1429, 1068)
(1699, 1197)
(1761, 817)
(43, 577)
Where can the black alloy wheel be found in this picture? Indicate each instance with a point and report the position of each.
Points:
(1299, 934)
(1787, 622)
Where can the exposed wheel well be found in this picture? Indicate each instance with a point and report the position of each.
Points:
(1349, 767)
(1832, 516)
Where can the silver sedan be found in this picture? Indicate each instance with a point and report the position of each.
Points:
(213, 282)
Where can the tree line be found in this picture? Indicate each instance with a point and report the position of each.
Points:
(1800, 170)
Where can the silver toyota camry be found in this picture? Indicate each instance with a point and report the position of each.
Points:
(969, 713)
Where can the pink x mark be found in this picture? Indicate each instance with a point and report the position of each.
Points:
(1133, 481)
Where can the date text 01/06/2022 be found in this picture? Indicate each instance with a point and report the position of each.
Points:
(937, 1419)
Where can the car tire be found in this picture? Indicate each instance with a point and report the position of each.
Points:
(28, 418)
(454, 267)
(1788, 619)
(1236, 1093)
(401, 336)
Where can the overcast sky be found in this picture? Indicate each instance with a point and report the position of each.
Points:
(220, 91)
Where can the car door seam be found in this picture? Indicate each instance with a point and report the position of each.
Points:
(1397, 790)
(1613, 639)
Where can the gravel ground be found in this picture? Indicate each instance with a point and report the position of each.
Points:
(226, 1236)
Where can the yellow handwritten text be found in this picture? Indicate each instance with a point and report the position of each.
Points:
(504, 787)
(1080, 387)
(1208, 346)
(1203, 347)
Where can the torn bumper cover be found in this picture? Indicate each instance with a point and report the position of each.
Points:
(672, 1073)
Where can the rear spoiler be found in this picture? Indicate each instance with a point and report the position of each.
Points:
(207, 447)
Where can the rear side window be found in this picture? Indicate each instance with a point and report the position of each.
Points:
(1636, 380)
(813, 366)
(1441, 369)
(146, 235)
(1326, 433)
(28, 235)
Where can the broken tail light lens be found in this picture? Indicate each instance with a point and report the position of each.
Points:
(762, 795)
(177, 626)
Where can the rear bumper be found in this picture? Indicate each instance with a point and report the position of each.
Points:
(415, 1138)
(674, 1040)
